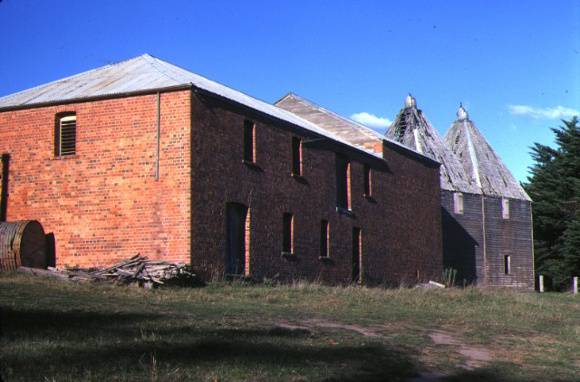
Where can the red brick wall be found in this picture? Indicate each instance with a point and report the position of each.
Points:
(104, 204)
(401, 228)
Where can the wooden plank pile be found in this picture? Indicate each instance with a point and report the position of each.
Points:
(137, 270)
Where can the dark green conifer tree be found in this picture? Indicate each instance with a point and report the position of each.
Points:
(554, 186)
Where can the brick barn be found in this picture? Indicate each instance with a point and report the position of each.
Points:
(145, 157)
(486, 214)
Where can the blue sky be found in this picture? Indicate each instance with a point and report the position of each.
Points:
(515, 65)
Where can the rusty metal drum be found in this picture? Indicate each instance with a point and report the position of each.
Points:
(22, 243)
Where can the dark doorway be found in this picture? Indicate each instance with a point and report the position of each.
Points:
(51, 249)
(5, 164)
(237, 237)
(356, 255)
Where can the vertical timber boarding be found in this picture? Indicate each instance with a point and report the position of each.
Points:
(484, 238)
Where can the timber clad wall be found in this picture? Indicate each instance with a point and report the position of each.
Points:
(463, 237)
(463, 241)
(509, 237)
(478, 241)
(103, 204)
(399, 240)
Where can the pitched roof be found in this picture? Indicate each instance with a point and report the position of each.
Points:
(348, 130)
(412, 129)
(136, 74)
(345, 128)
(481, 163)
(148, 73)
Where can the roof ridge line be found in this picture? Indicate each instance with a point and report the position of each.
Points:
(473, 155)
(420, 132)
(205, 78)
(316, 105)
(476, 147)
(382, 137)
(288, 94)
(154, 61)
(70, 77)
(499, 160)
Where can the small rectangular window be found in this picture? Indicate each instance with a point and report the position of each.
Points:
(249, 141)
(458, 203)
(324, 239)
(343, 183)
(296, 156)
(505, 208)
(367, 180)
(288, 240)
(65, 137)
(507, 264)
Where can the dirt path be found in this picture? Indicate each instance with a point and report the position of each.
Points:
(475, 356)
(367, 331)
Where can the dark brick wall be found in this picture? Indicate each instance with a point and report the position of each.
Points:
(400, 225)
(104, 204)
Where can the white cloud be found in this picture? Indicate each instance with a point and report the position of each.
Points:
(557, 112)
(371, 120)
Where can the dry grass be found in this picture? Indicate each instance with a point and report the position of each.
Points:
(226, 332)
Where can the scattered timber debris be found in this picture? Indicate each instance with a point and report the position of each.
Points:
(137, 270)
(430, 285)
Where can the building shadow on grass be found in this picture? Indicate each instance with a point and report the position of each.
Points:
(33, 323)
(74, 342)
(68, 344)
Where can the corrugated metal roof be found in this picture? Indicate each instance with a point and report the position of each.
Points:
(480, 161)
(412, 129)
(132, 75)
(143, 73)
